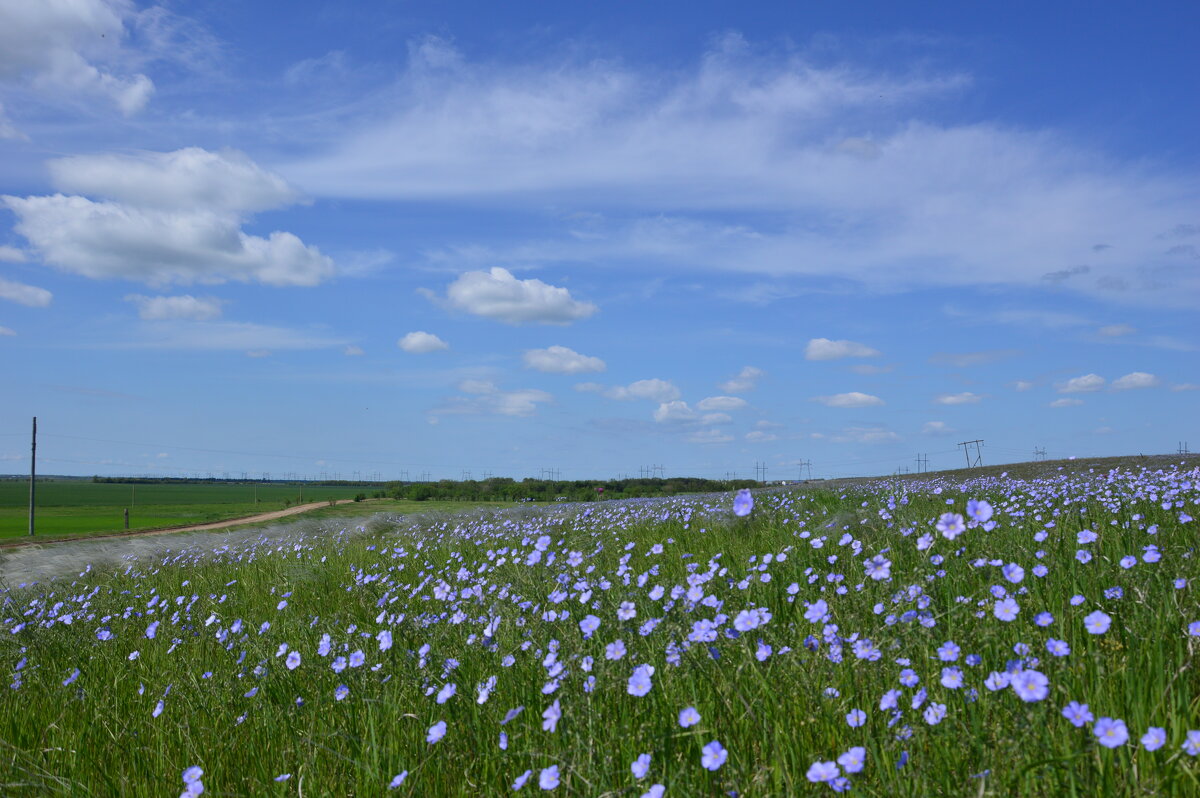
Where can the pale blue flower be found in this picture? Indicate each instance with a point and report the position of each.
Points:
(1154, 738)
(1111, 732)
(743, 503)
(713, 756)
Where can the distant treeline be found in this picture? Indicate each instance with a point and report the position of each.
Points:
(543, 490)
(328, 483)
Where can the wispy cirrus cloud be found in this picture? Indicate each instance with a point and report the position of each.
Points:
(876, 189)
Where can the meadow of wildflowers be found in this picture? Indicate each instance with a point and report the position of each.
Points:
(1003, 636)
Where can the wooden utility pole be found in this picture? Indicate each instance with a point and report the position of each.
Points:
(32, 475)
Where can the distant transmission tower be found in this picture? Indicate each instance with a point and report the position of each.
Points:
(760, 472)
(1183, 448)
(922, 463)
(977, 461)
(1039, 454)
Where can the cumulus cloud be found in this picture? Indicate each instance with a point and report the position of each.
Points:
(159, 308)
(745, 381)
(1185, 386)
(485, 398)
(67, 47)
(1066, 402)
(1116, 330)
(353, 351)
(708, 436)
(1022, 385)
(825, 349)
(759, 436)
(673, 411)
(964, 398)
(561, 360)
(497, 294)
(936, 428)
(865, 435)
(1085, 384)
(23, 294)
(1138, 379)
(712, 419)
(180, 180)
(721, 403)
(421, 343)
(654, 389)
(166, 218)
(852, 399)
(12, 254)
(5, 331)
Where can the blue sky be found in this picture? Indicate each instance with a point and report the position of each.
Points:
(404, 237)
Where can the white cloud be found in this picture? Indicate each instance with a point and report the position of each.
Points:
(24, 294)
(654, 389)
(477, 386)
(852, 399)
(353, 351)
(870, 369)
(257, 353)
(65, 46)
(1085, 384)
(1022, 385)
(713, 419)
(159, 308)
(1116, 330)
(965, 359)
(169, 218)
(1185, 386)
(721, 403)
(183, 334)
(421, 343)
(1065, 402)
(865, 435)
(12, 254)
(561, 360)
(1138, 379)
(936, 428)
(485, 398)
(825, 349)
(775, 132)
(180, 180)
(673, 411)
(964, 398)
(589, 387)
(6, 331)
(496, 294)
(708, 436)
(745, 380)
(758, 436)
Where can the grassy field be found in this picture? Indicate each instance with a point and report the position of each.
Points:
(894, 637)
(75, 507)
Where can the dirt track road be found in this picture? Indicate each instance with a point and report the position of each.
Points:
(248, 519)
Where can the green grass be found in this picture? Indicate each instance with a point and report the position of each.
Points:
(98, 737)
(71, 507)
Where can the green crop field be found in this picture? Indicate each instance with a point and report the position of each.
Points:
(945, 636)
(78, 507)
